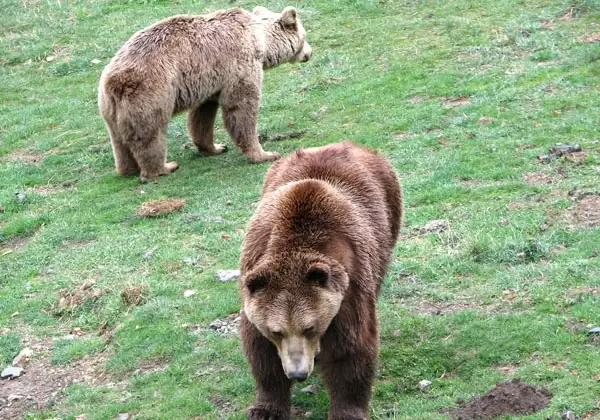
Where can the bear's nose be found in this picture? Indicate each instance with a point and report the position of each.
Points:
(298, 375)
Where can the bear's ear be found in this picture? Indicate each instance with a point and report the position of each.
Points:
(318, 274)
(255, 282)
(289, 16)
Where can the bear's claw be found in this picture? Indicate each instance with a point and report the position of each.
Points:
(260, 413)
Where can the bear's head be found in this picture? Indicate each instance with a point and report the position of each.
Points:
(282, 36)
(291, 299)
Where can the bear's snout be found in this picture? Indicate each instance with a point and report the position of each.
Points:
(299, 376)
(306, 53)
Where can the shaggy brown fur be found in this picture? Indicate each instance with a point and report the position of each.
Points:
(194, 63)
(312, 263)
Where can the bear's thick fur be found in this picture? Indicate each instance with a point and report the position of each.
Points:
(313, 259)
(194, 63)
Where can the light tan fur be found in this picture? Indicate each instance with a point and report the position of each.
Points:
(197, 63)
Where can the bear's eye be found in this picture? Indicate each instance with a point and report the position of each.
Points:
(309, 331)
(277, 334)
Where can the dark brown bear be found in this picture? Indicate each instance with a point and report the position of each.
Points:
(196, 63)
(314, 257)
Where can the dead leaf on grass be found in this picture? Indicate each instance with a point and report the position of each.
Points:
(155, 208)
(135, 294)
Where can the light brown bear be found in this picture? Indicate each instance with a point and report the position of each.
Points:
(195, 63)
(313, 260)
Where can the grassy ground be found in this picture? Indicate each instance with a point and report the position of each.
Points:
(463, 96)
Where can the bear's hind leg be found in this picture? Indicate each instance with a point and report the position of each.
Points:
(273, 399)
(124, 159)
(200, 123)
(151, 156)
(349, 383)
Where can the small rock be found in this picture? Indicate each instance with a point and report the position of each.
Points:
(227, 275)
(189, 293)
(308, 414)
(95, 61)
(14, 397)
(569, 415)
(22, 357)
(424, 385)
(594, 331)
(124, 416)
(216, 219)
(69, 337)
(50, 58)
(21, 197)
(96, 149)
(2, 209)
(149, 254)
(68, 184)
(81, 417)
(11, 372)
(311, 389)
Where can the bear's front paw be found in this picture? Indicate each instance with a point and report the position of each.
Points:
(259, 412)
(265, 157)
(220, 148)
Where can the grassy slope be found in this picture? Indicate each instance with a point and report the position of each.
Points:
(505, 273)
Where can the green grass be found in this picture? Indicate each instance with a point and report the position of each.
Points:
(515, 278)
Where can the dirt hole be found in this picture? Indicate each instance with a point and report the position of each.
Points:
(513, 398)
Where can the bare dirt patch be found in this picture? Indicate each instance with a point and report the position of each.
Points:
(513, 398)
(42, 190)
(42, 383)
(428, 307)
(593, 37)
(537, 178)
(27, 157)
(230, 325)
(263, 137)
(455, 101)
(15, 244)
(155, 208)
(486, 121)
(587, 212)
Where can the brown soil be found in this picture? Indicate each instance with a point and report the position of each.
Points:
(513, 398)
(485, 120)
(537, 178)
(154, 208)
(456, 101)
(27, 157)
(42, 383)
(15, 244)
(43, 190)
(593, 37)
(587, 212)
